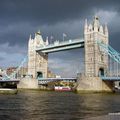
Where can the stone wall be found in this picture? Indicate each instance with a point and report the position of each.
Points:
(94, 84)
(28, 83)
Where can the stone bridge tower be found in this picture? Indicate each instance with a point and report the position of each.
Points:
(96, 62)
(37, 61)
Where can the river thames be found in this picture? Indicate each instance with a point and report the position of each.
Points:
(42, 105)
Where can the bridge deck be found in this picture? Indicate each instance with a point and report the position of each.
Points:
(48, 80)
(110, 78)
(5, 81)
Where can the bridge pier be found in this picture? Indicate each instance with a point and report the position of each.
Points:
(94, 84)
(28, 83)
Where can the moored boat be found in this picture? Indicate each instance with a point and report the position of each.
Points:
(8, 91)
(62, 88)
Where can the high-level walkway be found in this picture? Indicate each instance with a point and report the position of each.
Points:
(61, 46)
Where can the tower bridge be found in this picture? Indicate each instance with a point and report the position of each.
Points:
(95, 60)
(98, 54)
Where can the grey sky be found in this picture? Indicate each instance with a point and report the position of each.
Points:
(19, 19)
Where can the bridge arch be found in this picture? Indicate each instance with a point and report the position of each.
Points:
(39, 74)
(101, 72)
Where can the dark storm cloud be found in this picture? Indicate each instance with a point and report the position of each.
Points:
(20, 18)
(25, 17)
(1, 58)
(51, 11)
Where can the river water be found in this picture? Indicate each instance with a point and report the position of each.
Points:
(42, 105)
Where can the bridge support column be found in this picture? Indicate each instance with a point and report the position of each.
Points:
(94, 84)
(28, 83)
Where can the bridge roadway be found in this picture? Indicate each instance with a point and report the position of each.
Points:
(42, 81)
(8, 81)
(111, 78)
(48, 80)
(60, 46)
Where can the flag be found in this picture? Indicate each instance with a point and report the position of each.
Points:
(64, 35)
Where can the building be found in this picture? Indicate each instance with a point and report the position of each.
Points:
(10, 70)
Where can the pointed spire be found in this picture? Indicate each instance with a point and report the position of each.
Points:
(85, 26)
(106, 30)
(39, 32)
(30, 37)
(101, 29)
(90, 27)
(96, 23)
(47, 43)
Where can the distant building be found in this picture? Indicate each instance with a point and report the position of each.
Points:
(20, 73)
(10, 70)
(50, 74)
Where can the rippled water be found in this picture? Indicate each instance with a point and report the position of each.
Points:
(37, 105)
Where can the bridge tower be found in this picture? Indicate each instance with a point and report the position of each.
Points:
(96, 62)
(37, 61)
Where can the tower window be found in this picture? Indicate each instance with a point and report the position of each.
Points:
(96, 18)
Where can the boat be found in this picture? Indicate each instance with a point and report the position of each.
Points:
(8, 91)
(62, 88)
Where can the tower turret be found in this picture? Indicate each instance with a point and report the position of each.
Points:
(90, 27)
(38, 39)
(96, 24)
(106, 30)
(101, 29)
(85, 26)
(46, 41)
(30, 37)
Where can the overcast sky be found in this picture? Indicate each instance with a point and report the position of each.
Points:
(20, 18)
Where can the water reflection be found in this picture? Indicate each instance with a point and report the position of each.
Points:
(36, 105)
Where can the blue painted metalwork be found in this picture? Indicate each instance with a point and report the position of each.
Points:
(60, 46)
(110, 51)
(8, 81)
(12, 76)
(21, 64)
(114, 55)
(105, 78)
